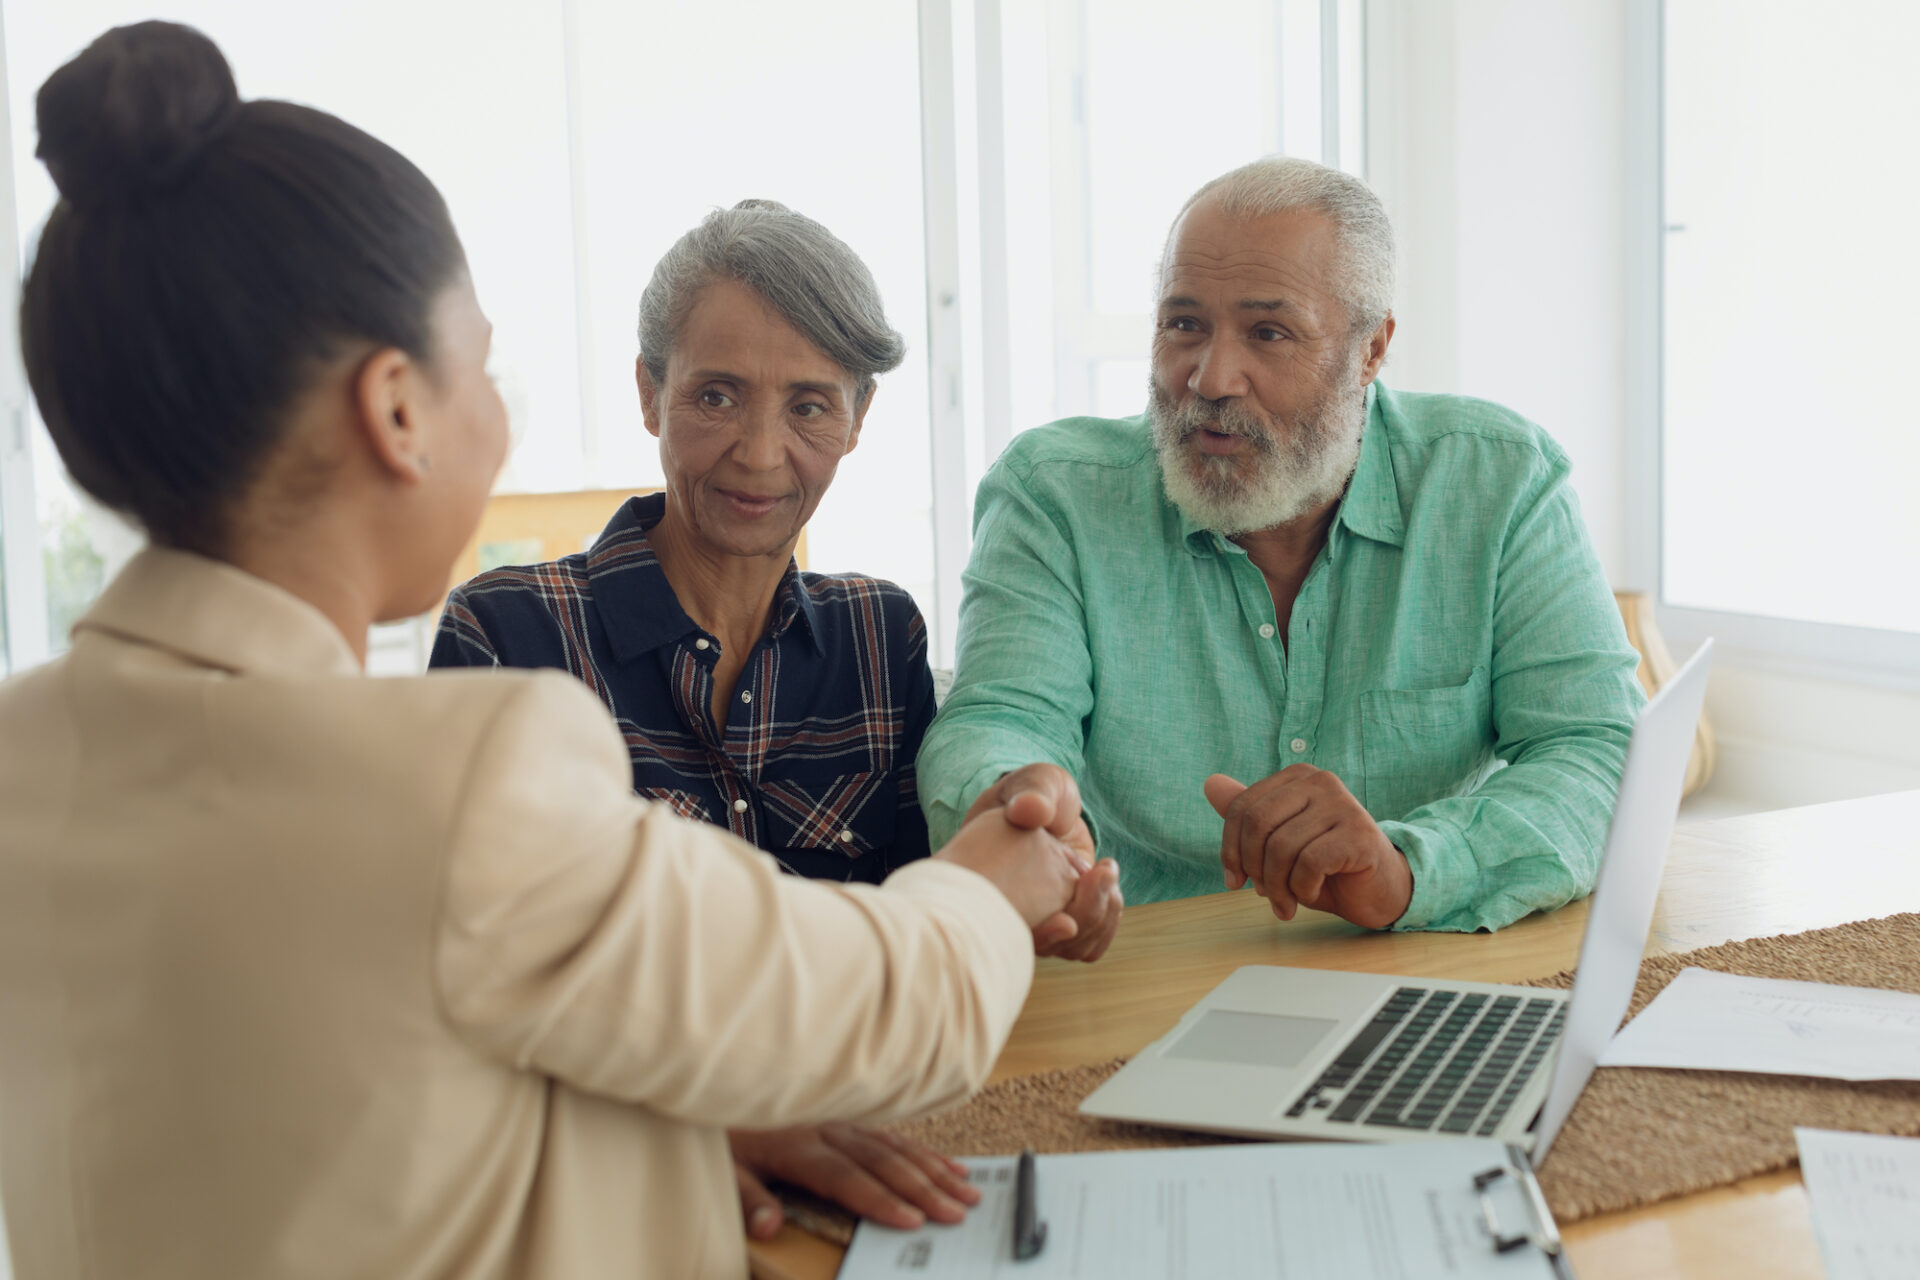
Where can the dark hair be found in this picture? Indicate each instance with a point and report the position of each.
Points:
(207, 256)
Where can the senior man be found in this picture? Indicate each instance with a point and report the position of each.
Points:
(1366, 628)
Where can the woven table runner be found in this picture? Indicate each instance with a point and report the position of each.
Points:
(1636, 1137)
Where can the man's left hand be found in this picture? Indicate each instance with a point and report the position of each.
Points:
(895, 1181)
(1303, 840)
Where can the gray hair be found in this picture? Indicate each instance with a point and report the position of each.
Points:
(1277, 184)
(800, 268)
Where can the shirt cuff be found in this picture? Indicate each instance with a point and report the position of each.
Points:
(939, 815)
(1434, 855)
(944, 817)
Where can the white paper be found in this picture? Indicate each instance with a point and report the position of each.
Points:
(1865, 1190)
(1401, 1211)
(1707, 1021)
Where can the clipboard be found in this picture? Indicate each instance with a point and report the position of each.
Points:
(1453, 1209)
(1539, 1232)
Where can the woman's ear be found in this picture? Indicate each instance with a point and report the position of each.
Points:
(388, 397)
(649, 396)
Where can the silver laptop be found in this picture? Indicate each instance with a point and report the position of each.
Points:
(1324, 1054)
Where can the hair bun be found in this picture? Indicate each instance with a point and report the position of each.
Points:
(129, 115)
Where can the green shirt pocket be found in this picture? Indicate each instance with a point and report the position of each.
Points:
(1422, 745)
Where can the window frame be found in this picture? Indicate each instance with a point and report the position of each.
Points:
(1334, 57)
(1827, 651)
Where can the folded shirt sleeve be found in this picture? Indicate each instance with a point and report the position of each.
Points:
(1023, 684)
(599, 939)
(1564, 700)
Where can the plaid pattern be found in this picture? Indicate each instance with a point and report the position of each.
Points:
(815, 763)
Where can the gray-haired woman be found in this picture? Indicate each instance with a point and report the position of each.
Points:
(787, 706)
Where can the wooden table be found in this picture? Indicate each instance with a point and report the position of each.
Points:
(1770, 873)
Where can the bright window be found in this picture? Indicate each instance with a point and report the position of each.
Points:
(575, 139)
(500, 157)
(1790, 442)
(1144, 102)
(685, 108)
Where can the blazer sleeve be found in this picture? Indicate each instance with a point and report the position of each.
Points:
(599, 939)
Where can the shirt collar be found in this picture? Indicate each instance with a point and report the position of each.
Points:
(637, 604)
(1371, 507)
(794, 600)
(1197, 540)
(212, 613)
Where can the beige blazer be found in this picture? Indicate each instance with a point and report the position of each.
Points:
(304, 973)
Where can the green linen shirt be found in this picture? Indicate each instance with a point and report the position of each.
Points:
(1455, 657)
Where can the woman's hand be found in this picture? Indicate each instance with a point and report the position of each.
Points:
(1035, 869)
(895, 1181)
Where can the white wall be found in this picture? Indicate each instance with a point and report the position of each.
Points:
(1791, 739)
(1497, 137)
(1496, 140)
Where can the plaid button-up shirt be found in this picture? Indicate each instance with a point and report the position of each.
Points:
(815, 763)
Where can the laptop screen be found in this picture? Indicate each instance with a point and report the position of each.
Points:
(1623, 896)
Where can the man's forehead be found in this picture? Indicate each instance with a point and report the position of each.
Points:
(1271, 263)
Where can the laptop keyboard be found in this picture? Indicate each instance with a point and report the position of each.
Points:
(1444, 1061)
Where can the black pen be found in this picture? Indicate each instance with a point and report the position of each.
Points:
(1029, 1233)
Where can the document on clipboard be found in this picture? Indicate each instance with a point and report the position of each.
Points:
(1460, 1209)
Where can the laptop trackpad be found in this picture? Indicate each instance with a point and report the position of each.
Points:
(1257, 1039)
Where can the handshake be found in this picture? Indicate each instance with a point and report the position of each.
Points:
(1025, 833)
(1299, 837)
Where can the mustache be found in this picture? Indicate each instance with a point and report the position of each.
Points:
(1185, 418)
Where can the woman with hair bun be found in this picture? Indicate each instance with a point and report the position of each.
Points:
(307, 974)
(782, 705)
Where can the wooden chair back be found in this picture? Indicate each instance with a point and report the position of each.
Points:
(526, 528)
(1656, 668)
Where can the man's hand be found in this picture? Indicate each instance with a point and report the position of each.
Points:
(1303, 840)
(892, 1180)
(1045, 795)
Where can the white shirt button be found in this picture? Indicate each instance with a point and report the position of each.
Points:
(746, 695)
(1266, 631)
(701, 643)
(1298, 745)
(846, 837)
(739, 806)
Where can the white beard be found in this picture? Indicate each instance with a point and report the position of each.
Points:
(1291, 469)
